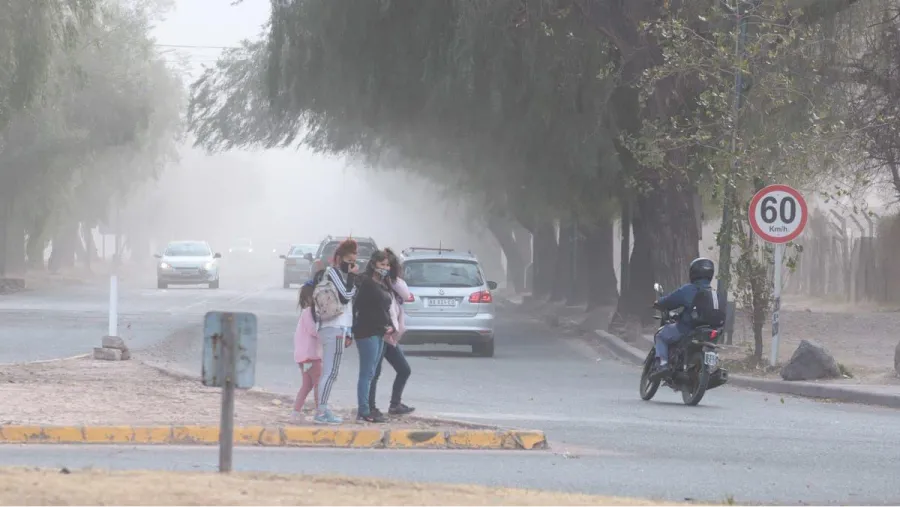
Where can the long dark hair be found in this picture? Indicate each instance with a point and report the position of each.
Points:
(395, 264)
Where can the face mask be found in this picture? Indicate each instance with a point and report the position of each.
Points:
(345, 266)
(383, 272)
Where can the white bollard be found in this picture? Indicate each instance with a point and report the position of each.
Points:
(113, 306)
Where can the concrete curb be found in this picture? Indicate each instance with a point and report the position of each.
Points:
(285, 436)
(805, 389)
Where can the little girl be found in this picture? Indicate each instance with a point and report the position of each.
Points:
(307, 352)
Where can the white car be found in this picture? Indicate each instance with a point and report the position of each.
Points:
(188, 263)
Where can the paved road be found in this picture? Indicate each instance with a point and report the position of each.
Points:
(744, 444)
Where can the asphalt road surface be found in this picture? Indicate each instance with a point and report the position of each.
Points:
(752, 446)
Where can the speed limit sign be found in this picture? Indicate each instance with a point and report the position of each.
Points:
(778, 214)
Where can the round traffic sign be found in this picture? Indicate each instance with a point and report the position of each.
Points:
(778, 213)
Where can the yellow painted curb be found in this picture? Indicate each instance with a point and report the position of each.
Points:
(296, 436)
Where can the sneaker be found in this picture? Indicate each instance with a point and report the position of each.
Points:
(327, 417)
(297, 417)
(376, 413)
(659, 371)
(371, 418)
(400, 409)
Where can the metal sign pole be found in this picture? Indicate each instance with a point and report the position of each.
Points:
(776, 305)
(226, 426)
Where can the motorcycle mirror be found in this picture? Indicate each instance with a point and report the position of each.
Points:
(658, 288)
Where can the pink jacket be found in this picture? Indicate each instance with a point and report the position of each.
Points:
(306, 339)
(397, 313)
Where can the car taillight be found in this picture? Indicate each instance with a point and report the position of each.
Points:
(713, 335)
(481, 297)
(411, 298)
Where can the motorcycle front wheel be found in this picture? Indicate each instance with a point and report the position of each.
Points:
(648, 387)
(693, 392)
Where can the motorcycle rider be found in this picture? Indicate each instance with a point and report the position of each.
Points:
(701, 273)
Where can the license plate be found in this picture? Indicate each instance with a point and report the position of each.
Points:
(710, 358)
(442, 303)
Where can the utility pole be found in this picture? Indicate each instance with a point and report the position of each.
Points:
(726, 232)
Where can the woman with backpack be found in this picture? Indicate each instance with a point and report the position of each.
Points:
(392, 351)
(334, 294)
(371, 323)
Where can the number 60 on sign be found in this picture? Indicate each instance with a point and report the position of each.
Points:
(778, 214)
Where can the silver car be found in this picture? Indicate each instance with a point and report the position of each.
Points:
(297, 263)
(188, 263)
(451, 300)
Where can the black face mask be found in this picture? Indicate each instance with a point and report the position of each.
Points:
(345, 266)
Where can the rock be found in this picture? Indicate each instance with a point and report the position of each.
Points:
(105, 354)
(811, 361)
(126, 354)
(114, 342)
(897, 359)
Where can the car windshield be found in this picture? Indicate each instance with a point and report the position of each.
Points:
(187, 250)
(442, 273)
(363, 250)
(301, 250)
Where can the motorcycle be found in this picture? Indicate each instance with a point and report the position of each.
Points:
(694, 360)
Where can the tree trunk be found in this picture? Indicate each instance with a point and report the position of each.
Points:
(598, 271)
(665, 242)
(502, 229)
(12, 238)
(563, 278)
(36, 243)
(523, 245)
(62, 256)
(625, 246)
(585, 265)
(545, 250)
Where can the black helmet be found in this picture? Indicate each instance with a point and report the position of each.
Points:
(702, 268)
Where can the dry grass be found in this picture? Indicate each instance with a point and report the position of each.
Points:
(93, 487)
(89, 392)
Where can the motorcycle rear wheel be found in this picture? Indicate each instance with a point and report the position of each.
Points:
(648, 387)
(692, 394)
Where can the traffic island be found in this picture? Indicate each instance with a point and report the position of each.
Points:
(97, 487)
(83, 400)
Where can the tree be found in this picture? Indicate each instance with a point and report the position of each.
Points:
(64, 156)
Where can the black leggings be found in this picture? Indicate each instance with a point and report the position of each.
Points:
(398, 361)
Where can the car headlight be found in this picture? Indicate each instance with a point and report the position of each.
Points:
(209, 265)
(163, 265)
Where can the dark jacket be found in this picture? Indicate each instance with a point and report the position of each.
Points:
(371, 309)
(683, 297)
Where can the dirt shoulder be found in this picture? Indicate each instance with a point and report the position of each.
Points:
(862, 338)
(93, 487)
(89, 392)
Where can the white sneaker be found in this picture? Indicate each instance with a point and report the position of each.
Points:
(297, 417)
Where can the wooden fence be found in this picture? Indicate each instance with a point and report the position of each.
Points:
(849, 257)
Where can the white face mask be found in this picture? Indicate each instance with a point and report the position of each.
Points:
(383, 272)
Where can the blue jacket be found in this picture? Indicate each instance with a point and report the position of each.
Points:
(683, 297)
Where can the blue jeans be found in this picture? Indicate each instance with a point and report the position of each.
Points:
(669, 334)
(370, 352)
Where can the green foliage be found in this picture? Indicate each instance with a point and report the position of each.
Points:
(100, 115)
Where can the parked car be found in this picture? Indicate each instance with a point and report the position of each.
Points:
(365, 248)
(451, 301)
(297, 263)
(188, 263)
